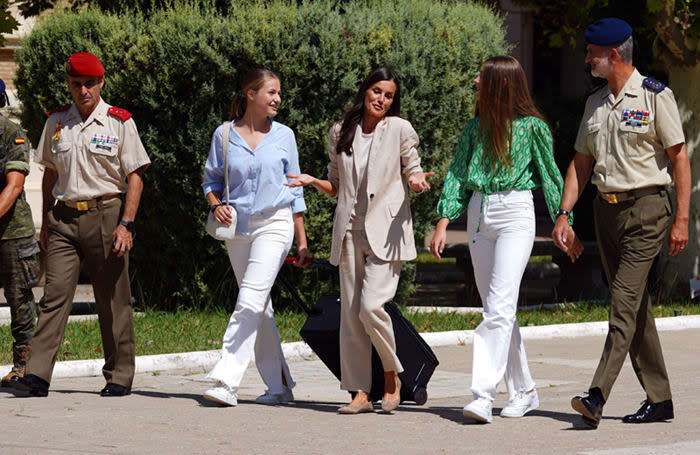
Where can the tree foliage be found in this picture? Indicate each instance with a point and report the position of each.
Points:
(176, 71)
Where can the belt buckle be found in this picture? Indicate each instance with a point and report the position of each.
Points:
(610, 197)
(82, 206)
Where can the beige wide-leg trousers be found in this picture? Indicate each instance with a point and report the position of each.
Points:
(366, 284)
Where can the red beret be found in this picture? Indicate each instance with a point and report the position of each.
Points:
(84, 64)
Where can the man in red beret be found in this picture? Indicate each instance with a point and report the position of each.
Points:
(94, 161)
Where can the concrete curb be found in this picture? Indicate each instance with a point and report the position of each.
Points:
(205, 360)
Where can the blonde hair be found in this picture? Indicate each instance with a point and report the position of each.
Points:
(252, 80)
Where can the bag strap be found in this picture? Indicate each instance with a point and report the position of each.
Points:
(224, 139)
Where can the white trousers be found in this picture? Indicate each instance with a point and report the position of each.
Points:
(501, 232)
(256, 259)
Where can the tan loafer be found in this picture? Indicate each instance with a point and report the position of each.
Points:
(352, 409)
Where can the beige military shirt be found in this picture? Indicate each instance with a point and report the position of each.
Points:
(628, 136)
(93, 158)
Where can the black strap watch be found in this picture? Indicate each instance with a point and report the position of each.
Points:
(129, 225)
(561, 212)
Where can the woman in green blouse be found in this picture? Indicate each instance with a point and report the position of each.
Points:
(502, 154)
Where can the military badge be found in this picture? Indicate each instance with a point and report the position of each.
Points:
(102, 139)
(57, 133)
(635, 117)
(19, 140)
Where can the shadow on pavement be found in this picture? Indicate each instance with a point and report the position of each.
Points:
(186, 396)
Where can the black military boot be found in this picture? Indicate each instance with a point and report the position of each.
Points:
(651, 412)
(20, 355)
(590, 407)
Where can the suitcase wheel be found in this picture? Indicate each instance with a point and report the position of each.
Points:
(420, 396)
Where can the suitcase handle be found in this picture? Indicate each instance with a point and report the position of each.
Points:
(295, 295)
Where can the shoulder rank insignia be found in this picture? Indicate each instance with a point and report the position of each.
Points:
(58, 109)
(120, 113)
(653, 85)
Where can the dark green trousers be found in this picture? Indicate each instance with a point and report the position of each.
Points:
(630, 235)
(19, 272)
(75, 236)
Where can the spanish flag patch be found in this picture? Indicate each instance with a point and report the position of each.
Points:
(19, 140)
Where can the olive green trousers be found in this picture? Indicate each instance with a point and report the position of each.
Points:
(630, 235)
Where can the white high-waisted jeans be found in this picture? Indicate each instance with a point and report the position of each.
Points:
(501, 232)
(256, 258)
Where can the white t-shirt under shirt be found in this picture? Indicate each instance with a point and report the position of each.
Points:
(361, 151)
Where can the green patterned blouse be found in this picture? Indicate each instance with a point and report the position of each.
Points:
(472, 170)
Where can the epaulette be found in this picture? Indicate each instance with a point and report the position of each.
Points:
(120, 113)
(653, 85)
(58, 109)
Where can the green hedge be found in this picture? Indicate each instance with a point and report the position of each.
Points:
(176, 70)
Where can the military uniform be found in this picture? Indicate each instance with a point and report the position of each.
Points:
(19, 251)
(92, 159)
(628, 136)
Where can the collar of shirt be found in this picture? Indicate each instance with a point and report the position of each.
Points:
(99, 114)
(238, 140)
(632, 87)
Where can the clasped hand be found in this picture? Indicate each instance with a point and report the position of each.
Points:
(565, 238)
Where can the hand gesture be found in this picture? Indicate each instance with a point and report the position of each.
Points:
(417, 183)
(300, 180)
(222, 214)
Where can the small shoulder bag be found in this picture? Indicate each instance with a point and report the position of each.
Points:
(214, 228)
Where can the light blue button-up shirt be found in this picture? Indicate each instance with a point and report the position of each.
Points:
(256, 177)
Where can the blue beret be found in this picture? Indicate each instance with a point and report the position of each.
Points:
(608, 31)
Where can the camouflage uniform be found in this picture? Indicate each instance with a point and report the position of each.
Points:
(19, 251)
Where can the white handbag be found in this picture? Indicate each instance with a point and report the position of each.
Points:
(214, 228)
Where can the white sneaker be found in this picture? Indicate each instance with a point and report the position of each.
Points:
(221, 394)
(479, 410)
(521, 404)
(276, 398)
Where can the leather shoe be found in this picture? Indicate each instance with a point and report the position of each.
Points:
(651, 412)
(590, 407)
(115, 390)
(31, 383)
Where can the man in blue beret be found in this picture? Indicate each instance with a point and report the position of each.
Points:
(632, 139)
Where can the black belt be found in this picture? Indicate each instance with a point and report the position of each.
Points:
(614, 198)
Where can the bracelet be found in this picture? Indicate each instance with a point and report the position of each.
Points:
(213, 207)
(561, 212)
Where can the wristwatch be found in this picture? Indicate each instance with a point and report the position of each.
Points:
(129, 225)
(561, 212)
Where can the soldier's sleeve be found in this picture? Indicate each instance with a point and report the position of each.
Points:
(581, 144)
(667, 120)
(42, 155)
(132, 152)
(18, 152)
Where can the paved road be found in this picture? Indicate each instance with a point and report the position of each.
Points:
(166, 414)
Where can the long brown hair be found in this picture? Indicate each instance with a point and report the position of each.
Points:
(353, 116)
(503, 97)
(252, 80)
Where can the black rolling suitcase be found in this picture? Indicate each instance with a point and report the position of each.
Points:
(321, 332)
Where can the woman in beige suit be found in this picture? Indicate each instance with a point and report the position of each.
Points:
(373, 161)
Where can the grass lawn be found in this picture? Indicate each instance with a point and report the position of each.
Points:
(159, 332)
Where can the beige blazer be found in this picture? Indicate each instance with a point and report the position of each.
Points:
(392, 158)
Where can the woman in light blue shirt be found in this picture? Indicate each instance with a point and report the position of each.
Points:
(261, 152)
